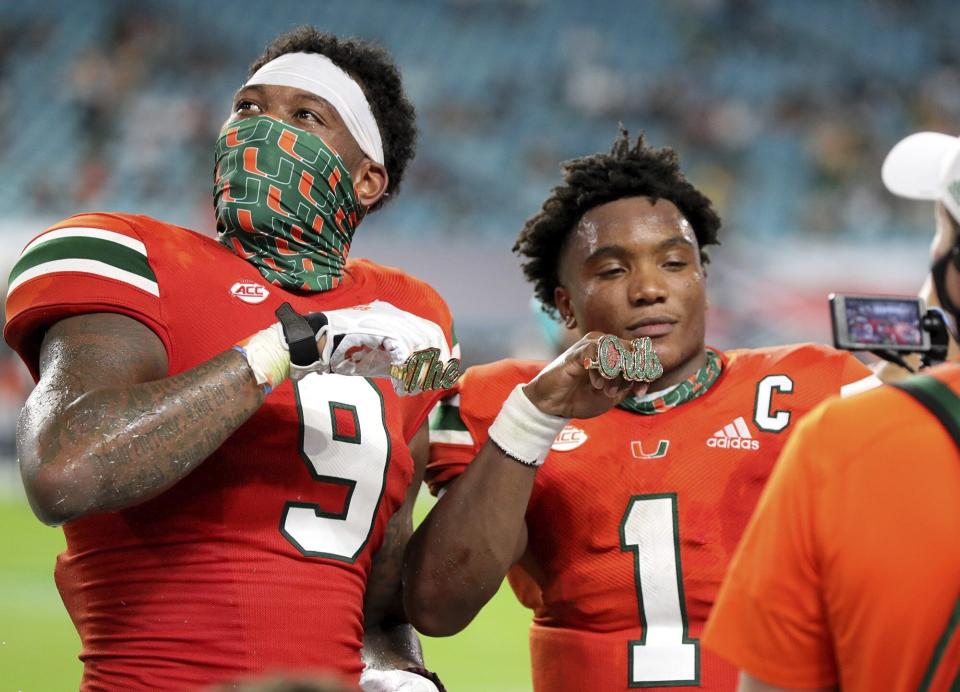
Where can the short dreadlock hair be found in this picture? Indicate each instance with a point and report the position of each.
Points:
(379, 78)
(590, 181)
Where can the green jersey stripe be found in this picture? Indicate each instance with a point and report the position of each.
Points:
(938, 398)
(85, 232)
(447, 417)
(85, 267)
(84, 248)
(951, 631)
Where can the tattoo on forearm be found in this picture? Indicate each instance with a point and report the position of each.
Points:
(154, 434)
(121, 445)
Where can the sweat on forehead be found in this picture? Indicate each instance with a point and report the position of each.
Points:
(636, 208)
(622, 223)
(317, 74)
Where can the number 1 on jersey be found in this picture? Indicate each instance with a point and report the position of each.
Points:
(664, 655)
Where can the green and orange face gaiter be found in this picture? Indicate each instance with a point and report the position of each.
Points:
(285, 202)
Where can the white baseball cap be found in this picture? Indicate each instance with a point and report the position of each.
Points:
(925, 165)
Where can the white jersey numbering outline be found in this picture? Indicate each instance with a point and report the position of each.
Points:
(357, 457)
(664, 655)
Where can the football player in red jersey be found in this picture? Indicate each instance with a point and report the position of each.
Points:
(619, 541)
(223, 520)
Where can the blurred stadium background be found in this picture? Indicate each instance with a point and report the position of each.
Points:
(781, 110)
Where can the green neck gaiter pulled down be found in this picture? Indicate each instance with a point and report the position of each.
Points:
(285, 202)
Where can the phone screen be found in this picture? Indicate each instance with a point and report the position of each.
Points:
(882, 322)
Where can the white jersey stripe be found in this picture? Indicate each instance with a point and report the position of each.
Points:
(86, 266)
(867, 383)
(729, 430)
(451, 437)
(82, 232)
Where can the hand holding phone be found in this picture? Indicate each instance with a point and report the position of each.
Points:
(871, 323)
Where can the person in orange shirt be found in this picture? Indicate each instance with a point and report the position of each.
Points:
(614, 511)
(849, 572)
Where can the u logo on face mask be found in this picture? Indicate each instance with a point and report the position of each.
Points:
(285, 202)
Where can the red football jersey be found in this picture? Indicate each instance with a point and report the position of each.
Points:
(633, 518)
(258, 560)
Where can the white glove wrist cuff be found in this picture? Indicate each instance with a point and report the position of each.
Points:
(524, 432)
(267, 355)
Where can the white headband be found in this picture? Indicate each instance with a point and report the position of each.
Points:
(317, 74)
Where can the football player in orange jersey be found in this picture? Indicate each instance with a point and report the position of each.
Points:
(849, 573)
(222, 520)
(615, 510)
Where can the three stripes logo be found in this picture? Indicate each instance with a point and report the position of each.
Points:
(735, 435)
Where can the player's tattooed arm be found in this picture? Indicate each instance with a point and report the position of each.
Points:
(105, 429)
(390, 642)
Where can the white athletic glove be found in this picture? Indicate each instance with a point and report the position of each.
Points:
(366, 340)
(372, 340)
(372, 680)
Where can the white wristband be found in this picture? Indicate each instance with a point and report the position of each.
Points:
(267, 355)
(523, 431)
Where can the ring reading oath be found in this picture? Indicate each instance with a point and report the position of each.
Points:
(639, 364)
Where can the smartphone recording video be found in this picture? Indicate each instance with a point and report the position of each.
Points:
(870, 323)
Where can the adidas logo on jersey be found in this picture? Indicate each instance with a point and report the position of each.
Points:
(735, 435)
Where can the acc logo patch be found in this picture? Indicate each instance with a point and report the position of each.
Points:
(569, 438)
(249, 292)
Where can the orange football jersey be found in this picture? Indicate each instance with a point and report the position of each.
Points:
(849, 572)
(257, 561)
(633, 518)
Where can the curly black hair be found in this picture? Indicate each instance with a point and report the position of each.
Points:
(378, 76)
(590, 181)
